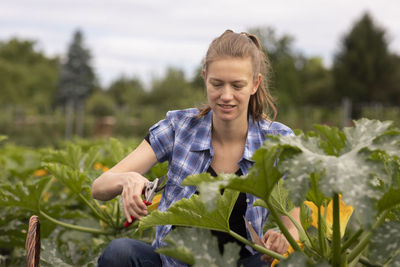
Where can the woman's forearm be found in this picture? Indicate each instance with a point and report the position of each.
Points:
(295, 213)
(108, 185)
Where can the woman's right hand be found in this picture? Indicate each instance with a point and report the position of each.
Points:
(131, 195)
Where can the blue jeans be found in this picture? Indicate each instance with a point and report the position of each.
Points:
(129, 252)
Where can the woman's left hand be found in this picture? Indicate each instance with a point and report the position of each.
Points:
(276, 242)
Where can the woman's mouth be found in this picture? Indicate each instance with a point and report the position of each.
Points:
(226, 107)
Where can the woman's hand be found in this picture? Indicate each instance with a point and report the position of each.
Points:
(131, 195)
(276, 242)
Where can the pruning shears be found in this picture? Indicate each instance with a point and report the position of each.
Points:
(149, 191)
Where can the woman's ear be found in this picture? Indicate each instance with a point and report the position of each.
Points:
(203, 74)
(256, 84)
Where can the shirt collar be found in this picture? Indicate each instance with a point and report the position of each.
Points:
(202, 141)
(203, 137)
(253, 141)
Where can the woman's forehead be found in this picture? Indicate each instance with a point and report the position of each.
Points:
(234, 68)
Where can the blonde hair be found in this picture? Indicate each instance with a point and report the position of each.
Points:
(231, 44)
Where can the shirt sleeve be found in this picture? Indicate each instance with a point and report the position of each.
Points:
(162, 138)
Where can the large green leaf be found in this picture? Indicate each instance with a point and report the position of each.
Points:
(260, 181)
(280, 198)
(73, 157)
(297, 259)
(18, 162)
(334, 141)
(390, 200)
(315, 194)
(352, 172)
(193, 212)
(209, 187)
(385, 242)
(198, 247)
(23, 195)
(73, 178)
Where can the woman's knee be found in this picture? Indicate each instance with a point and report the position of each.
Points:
(118, 252)
(129, 252)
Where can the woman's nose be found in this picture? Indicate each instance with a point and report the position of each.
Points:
(227, 93)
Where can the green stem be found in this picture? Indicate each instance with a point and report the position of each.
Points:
(282, 227)
(47, 187)
(366, 262)
(320, 234)
(116, 205)
(302, 233)
(72, 226)
(336, 232)
(365, 237)
(100, 216)
(260, 249)
(351, 240)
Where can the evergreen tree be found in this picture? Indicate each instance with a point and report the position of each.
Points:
(364, 69)
(76, 83)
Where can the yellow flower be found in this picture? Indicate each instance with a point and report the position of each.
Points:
(156, 201)
(288, 252)
(40, 172)
(105, 168)
(99, 166)
(344, 215)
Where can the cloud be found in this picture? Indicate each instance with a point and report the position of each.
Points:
(143, 37)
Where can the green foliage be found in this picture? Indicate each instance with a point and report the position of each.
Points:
(28, 76)
(192, 212)
(100, 105)
(294, 79)
(127, 93)
(361, 163)
(77, 76)
(198, 247)
(75, 227)
(173, 90)
(385, 243)
(364, 69)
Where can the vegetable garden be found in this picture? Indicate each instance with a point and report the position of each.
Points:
(346, 184)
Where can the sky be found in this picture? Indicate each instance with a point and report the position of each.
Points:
(142, 38)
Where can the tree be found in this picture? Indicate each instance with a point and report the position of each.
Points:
(28, 77)
(127, 93)
(316, 83)
(364, 68)
(294, 79)
(174, 91)
(284, 80)
(76, 83)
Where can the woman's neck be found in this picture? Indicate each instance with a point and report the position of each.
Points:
(229, 131)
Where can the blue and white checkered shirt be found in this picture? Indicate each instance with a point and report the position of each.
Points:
(185, 141)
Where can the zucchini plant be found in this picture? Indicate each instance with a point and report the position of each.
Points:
(351, 175)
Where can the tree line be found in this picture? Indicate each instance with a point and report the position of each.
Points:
(364, 70)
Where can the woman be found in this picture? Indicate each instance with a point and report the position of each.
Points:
(220, 138)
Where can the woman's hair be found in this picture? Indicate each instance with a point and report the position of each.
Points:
(242, 45)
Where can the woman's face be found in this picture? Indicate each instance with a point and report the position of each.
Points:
(230, 83)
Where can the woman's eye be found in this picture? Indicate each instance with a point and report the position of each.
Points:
(237, 86)
(216, 84)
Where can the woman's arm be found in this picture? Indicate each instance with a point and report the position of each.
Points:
(126, 179)
(276, 241)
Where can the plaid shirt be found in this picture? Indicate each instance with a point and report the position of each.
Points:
(185, 141)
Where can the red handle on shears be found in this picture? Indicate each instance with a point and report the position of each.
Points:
(147, 203)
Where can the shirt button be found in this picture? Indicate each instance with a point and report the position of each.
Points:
(247, 200)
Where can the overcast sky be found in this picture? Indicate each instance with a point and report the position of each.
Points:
(143, 37)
